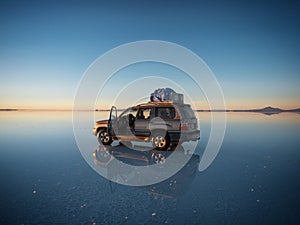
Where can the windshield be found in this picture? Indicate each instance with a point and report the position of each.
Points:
(129, 111)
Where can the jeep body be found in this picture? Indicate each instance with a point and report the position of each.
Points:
(165, 124)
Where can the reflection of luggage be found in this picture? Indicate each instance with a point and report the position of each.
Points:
(166, 94)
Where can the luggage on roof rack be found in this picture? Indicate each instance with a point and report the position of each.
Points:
(176, 98)
(166, 95)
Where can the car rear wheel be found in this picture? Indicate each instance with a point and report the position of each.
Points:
(160, 141)
(103, 137)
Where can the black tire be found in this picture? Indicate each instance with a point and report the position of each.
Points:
(103, 137)
(160, 141)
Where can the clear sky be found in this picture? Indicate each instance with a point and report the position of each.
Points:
(251, 46)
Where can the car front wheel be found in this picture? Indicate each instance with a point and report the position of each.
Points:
(103, 137)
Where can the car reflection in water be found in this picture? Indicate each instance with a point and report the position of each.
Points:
(114, 157)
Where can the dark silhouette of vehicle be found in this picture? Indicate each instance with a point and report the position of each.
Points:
(164, 124)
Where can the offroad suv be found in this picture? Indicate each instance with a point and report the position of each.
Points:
(164, 124)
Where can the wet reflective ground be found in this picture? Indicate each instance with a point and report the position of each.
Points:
(253, 180)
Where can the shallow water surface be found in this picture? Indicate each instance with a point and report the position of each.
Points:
(253, 180)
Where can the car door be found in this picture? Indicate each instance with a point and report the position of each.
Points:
(142, 121)
(126, 123)
(112, 121)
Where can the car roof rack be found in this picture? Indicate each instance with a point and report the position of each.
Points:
(161, 103)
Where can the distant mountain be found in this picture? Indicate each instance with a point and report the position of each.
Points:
(292, 110)
(8, 109)
(278, 110)
(270, 109)
(267, 110)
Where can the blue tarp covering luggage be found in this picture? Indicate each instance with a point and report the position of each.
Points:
(166, 94)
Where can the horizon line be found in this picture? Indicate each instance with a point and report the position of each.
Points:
(205, 110)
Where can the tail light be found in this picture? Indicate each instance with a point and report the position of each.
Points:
(183, 126)
(189, 124)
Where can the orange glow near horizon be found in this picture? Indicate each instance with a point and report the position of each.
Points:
(230, 104)
(55, 105)
(258, 104)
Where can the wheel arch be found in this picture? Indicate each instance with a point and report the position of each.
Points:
(159, 130)
(100, 128)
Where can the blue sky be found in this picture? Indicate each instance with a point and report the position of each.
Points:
(252, 47)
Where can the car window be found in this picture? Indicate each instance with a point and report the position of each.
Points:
(128, 111)
(144, 113)
(166, 112)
